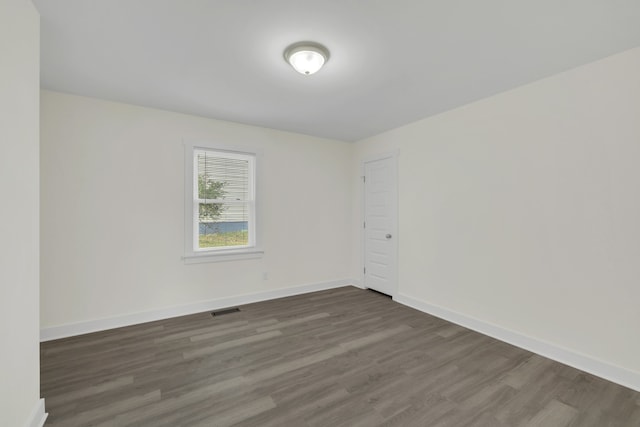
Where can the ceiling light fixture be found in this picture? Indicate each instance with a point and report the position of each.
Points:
(306, 57)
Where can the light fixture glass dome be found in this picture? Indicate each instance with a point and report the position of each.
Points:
(306, 57)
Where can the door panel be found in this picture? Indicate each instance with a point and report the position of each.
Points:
(380, 225)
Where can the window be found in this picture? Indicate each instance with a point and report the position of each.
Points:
(220, 206)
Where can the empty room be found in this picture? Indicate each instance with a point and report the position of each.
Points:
(337, 213)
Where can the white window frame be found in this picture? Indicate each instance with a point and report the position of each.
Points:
(193, 254)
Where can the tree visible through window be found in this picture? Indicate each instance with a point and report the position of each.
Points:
(224, 200)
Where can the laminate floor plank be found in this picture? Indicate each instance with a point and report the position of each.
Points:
(342, 357)
(555, 414)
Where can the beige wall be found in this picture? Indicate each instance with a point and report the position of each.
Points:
(112, 211)
(19, 329)
(523, 210)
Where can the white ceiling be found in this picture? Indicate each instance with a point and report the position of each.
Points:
(392, 61)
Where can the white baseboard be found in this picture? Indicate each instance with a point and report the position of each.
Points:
(38, 416)
(572, 358)
(72, 329)
(357, 283)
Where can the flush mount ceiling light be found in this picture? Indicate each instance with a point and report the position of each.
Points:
(306, 57)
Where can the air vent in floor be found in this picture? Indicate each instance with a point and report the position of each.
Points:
(225, 311)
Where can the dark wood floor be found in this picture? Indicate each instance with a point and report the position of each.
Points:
(344, 357)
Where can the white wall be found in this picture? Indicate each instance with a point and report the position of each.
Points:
(19, 98)
(112, 211)
(523, 210)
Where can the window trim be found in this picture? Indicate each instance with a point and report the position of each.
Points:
(196, 256)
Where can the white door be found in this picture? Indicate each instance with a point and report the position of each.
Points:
(380, 225)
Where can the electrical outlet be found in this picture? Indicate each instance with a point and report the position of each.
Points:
(265, 276)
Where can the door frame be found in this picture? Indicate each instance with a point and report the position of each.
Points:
(393, 155)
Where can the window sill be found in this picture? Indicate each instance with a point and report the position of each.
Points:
(198, 258)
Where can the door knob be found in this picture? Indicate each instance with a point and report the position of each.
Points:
(388, 236)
